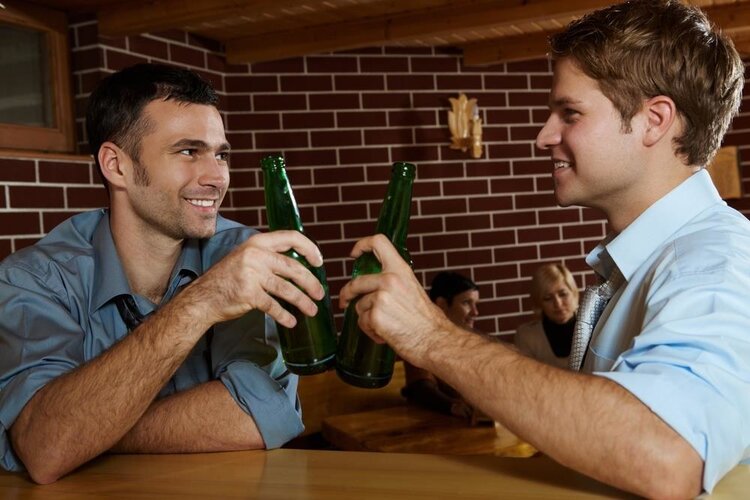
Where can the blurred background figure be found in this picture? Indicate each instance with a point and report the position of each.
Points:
(555, 297)
(458, 297)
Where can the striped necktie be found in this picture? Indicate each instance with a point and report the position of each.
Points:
(595, 299)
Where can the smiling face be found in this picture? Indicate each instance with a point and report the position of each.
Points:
(463, 308)
(558, 302)
(596, 163)
(182, 174)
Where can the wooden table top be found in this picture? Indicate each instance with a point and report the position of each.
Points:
(410, 429)
(327, 475)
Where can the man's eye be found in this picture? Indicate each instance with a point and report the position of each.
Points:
(223, 156)
(187, 152)
(569, 114)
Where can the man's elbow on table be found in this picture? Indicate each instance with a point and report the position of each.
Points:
(680, 476)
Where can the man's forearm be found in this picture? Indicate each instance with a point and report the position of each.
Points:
(588, 423)
(86, 411)
(204, 418)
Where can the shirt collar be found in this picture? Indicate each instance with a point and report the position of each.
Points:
(110, 280)
(629, 249)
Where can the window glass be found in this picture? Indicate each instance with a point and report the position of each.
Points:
(24, 78)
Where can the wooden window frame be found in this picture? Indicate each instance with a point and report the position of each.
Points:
(60, 137)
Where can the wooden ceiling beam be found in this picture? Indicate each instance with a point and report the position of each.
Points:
(515, 48)
(389, 29)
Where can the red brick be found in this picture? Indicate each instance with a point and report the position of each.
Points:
(12, 223)
(434, 260)
(422, 225)
(87, 197)
(516, 253)
(148, 47)
(341, 211)
(495, 134)
(251, 83)
(408, 50)
(118, 60)
(560, 250)
(515, 219)
(359, 82)
(411, 118)
(508, 116)
(317, 194)
(334, 101)
(528, 167)
(518, 133)
(336, 138)
(2, 198)
(510, 150)
(363, 156)
(440, 135)
(281, 140)
(506, 82)
(512, 185)
(338, 175)
(426, 189)
(583, 231)
(238, 102)
(243, 179)
(361, 119)
(20, 243)
(286, 102)
(445, 241)
(467, 222)
(306, 120)
(309, 158)
(393, 100)
(442, 170)
(469, 257)
(90, 80)
(86, 34)
(36, 197)
(541, 82)
(503, 306)
(64, 172)
(323, 232)
(240, 140)
(559, 215)
(539, 116)
(439, 100)
(249, 218)
(491, 99)
(470, 187)
(204, 43)
(381, 172)
(17, 170)
(497, 272)
(306, 83)
(357, 230)
(175, 35)
(533, 66)
(535, 201)
(293, 65)
(383, 64)
(253, 121)
(216, 62)
(487, 168)
(443, 206)
(490, 203)
(363, 192)
(410, 82)
(591, 214)
(5, 248)
(545, 183)
(537, 235)
(389, 136)
(434, 64)
(247, 198)
(459, 82)
(528, 99)
(298, 176)
(90, 58)
(414, 154)
(331, 64)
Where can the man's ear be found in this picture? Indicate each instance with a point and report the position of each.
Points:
(113, 163)
(661, 115)
(442, 303)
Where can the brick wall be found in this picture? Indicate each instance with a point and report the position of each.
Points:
(341, 120)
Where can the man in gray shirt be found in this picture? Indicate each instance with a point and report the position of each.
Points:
(148, 327)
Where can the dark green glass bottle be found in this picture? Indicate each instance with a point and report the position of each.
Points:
(310, 346)
(359, 360)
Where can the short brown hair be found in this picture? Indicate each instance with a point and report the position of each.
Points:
(644, 48)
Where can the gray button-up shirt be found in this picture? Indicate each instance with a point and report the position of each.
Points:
(58, 311)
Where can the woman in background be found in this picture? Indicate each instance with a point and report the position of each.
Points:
(457, 296)
(555, 296)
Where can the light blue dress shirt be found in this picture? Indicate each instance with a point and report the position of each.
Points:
(57, 312)
(677, 333)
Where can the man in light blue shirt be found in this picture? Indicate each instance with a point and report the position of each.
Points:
(148, 327)
(642, 95)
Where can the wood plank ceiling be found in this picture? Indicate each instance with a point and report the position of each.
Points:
(489, 32)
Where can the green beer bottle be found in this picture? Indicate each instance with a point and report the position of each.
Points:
(310, 346)
(359, 360)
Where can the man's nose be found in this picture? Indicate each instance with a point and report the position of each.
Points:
(214, 173)
(549, 135)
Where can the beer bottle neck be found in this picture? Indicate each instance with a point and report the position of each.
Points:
(281, 207)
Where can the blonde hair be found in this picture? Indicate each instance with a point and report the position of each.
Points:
(547, 274)
(644, 48)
